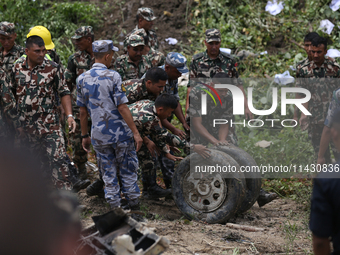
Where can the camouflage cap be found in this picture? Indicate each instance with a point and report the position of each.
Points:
(103, 46)
(146, 13)
(135, 40)
(7, 28)
(212, 35)
(141, 32)
(83, 31)
(177, 60)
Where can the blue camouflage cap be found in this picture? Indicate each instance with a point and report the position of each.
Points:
(103, 46)
(177, 60)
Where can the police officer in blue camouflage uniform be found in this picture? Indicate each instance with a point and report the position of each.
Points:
(113, 132)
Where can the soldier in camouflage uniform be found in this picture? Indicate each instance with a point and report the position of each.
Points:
(145, 18)
(157, 58)
(46, 36)
(147, 88)
(308, 48)
(9, 51)
(147, 116)
(35, 81)
(79, 62)
(207, 64)
(202, 129)
(6, 99)
(133, 64)
(320, 78)
(113, 130)
(175, 66)
(334, 107)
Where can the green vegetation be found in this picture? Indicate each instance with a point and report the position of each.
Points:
(244, 25)
(61, 19)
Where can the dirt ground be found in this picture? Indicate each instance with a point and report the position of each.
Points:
(284, 222)
(282, 219)
(120, 19)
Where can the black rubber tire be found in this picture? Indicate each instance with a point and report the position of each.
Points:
(235, 189)
(253, 180)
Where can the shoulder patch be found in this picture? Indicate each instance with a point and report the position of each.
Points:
(197, 56)
(224, 54)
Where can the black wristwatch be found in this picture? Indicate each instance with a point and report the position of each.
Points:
(85, 136)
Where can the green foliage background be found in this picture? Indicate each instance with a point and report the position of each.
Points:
(61, 19)
(244, 25)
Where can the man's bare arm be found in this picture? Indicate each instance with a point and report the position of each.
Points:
(321, 246)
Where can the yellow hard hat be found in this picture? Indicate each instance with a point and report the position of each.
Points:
(44, 34)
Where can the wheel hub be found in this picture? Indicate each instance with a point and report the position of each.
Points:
(204, 194)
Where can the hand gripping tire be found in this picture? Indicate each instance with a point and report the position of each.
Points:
(212, 198)
(253, 179)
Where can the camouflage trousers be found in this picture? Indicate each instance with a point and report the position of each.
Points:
(167, 167)
(79, 155)
(146, 162)
(314, 134)
(118, 159)
(50, 150)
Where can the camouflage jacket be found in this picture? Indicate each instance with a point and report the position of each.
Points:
(35, 91)
(214, 110)
(7, 104)
(202, 66)
(157, 58)
(78, 63)
(153, 41)
(334, 106)
(301, 64)
(321, 83)
(136, 91)
(146, 120)
(171, 86)
(100, 91)
(7, 61)
(128, 70)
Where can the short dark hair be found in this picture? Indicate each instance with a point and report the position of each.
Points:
(34, 39)
(310, 36)
(138, 16)
(100, 55)
(318, 41)
(166, 100)
(155, 74)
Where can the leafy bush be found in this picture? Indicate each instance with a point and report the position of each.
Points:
(60, 18)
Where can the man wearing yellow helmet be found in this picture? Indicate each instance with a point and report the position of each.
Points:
(43, 32)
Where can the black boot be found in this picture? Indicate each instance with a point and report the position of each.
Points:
(167, 183)
(77, 183)
(145, 190)
(155, 191)
(82, 171)
(96, 188)
(136, 214)
(265, 197)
